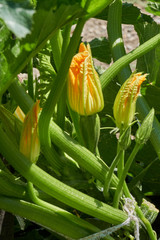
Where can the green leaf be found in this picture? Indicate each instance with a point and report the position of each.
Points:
(3, 70)
(101, 50)
(108, 142)
(150, 62)
(46, 23)
(150, 180)
(17, 16)
(130, 14)
(152, 95)
(95, 6)
(4, 35)
(154, 8)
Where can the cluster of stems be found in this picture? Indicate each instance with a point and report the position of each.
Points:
(27, 199)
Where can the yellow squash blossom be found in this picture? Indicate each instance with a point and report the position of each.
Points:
(84, 89)
(19, 114)
(125, 102)
(29, 141)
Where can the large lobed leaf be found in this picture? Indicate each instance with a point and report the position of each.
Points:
(17, 15)
(101, 49)
(47, 19)
(150, 63)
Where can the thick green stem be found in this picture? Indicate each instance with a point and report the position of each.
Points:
(123, 61)
(85, 158)
(55, 93)
(123, 176)
(121, 65)
(56, 45)
(66, 38)
(57, 189)
(45, 217)
(66, 215)
(10, 186)
(82, 155)
(61, 106)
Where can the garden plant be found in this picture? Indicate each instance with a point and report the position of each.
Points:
(79, 144)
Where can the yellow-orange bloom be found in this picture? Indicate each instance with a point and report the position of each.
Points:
(19, 114)
(29, 141)
(84, 88)
(125, 102)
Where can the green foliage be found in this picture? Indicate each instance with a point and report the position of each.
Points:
(17, 15)
(46, 22)
(130, 14)
(150, 63)
(154, 8)
(100, 49)
(76, 153)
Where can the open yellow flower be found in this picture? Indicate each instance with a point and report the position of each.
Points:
(125, 102)
(84, 89)
(29, 141)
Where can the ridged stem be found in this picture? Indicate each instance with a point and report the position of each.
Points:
(66, 215)
(57, 189)
(115, 32)
(46, 217)
(55, 93)
(84, 157)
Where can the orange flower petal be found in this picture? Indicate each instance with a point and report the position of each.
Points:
(84, 88)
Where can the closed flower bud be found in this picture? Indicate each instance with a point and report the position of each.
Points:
(84, 89)
(29, 141)
(125, 102)
(144, 131)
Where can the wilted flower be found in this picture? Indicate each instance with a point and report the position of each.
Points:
(125, 102)
(84, 88)
(29, 142)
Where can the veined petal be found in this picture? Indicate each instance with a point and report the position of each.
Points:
(19, 114)
(125, 102)
(29, 142)
(84, 88)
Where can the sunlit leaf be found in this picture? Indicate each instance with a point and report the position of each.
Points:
(4, 35)
(46, 23)
(154, 8)
(17, 16)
